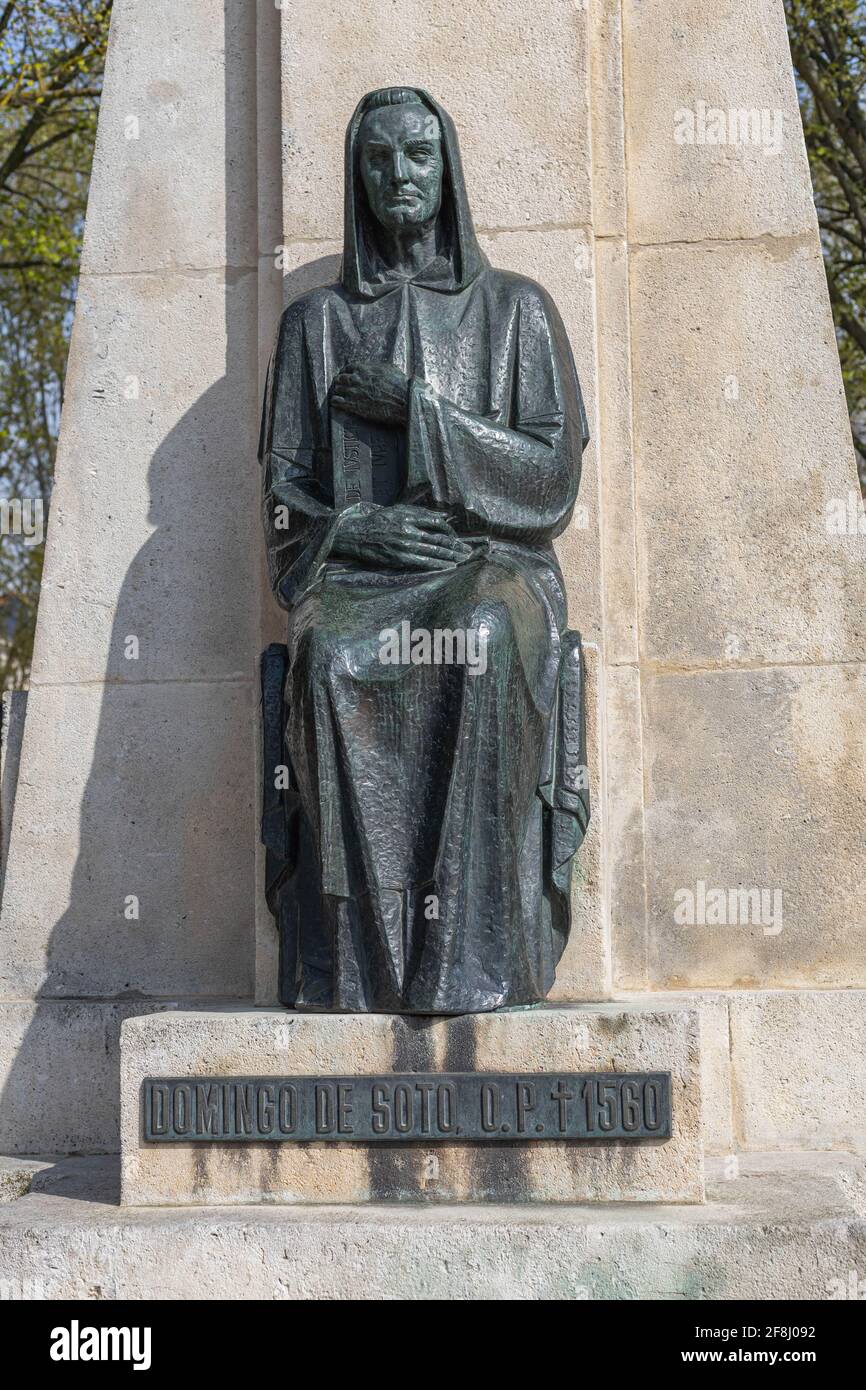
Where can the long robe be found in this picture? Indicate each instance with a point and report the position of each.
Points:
(439, 833)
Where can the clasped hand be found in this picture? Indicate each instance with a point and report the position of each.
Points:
(374, 391)
(401, 537)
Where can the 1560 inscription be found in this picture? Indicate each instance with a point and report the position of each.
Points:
(467, 1106)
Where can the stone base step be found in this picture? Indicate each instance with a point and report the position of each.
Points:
(17, 1174)
(784, 1226)
(555, 1039)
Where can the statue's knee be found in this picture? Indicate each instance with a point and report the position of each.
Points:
(320, 653)
(489, 620)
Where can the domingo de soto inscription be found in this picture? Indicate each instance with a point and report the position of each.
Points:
(467, 1106)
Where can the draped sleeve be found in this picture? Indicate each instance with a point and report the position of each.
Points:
(515, 475)
(297, 501)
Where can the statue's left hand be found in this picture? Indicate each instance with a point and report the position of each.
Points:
(374, 391)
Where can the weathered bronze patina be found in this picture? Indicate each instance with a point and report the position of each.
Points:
(421, 446)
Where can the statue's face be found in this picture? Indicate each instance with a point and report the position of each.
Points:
(401, 165)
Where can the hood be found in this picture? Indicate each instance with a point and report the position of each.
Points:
(363, 273)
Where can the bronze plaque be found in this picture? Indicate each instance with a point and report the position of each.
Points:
(424, 1108)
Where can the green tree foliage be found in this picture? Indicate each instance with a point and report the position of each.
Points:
(52, 54)
(828, 46)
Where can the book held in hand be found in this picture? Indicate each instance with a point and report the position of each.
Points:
(367, 459)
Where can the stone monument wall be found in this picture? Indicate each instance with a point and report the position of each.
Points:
(724, 616)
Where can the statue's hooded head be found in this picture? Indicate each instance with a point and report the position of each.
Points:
(403, 170)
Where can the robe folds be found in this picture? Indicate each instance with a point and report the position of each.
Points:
(434, 806)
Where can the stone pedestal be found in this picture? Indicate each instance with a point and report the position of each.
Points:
(550, 1038)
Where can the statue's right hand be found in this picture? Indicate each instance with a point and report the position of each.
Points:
(400, 537)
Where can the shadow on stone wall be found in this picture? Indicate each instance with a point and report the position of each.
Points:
(168, 807)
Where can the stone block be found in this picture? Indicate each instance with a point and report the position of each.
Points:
(716, 1076)
(154, 523)
(132, 850)
(625, 870)
(59, 1069)
(268, 1043)
(518, 92)
(742, 445)
(12, 712)
(615, 454)
(268, 103)
(756, 799)
(608, 125)
(798, 1062)
(16, 1176)
(712, 1012)
(174, 171)
(690, 58)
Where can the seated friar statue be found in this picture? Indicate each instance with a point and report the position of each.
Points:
(425, 766)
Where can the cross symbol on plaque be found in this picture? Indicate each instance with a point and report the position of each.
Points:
(562, 1095)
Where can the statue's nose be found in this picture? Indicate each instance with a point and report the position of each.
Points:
(398, 168)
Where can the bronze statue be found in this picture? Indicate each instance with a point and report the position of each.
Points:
(421, 448)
